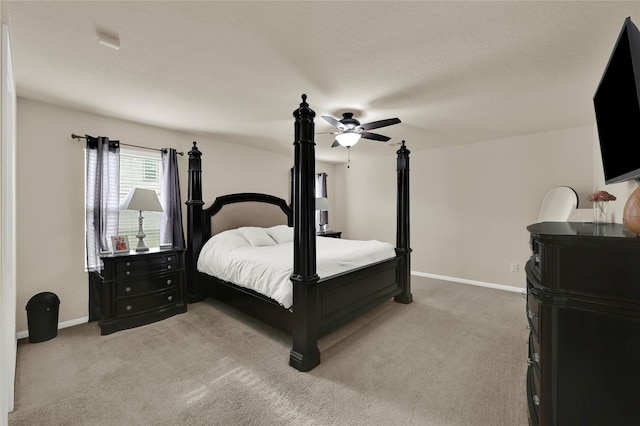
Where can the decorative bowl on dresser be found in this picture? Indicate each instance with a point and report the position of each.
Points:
(583, 308)
(138, 288)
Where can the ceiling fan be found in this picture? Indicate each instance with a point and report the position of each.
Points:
(350, 130)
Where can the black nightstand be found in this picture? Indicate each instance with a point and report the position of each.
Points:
(331, 234)
(138, 288)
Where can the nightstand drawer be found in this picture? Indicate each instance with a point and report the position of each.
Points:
(142, 286)
(135, 306)
(132, 266)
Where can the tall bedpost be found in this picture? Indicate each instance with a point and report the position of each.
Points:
(194, 221)
(304, 354)
(403, 247)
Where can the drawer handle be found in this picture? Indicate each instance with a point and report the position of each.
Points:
(128, 272)
(170, 298)
(128, 263)
(536, 400)
(169, 267)
(129, 307)
(169, 258)
(531, 314)
(128, 289)
(168, 282)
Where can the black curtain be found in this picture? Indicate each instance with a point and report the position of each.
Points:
(171, 231)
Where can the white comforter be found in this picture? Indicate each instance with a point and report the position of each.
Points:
(262, 258)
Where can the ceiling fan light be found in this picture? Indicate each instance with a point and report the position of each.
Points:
(348, 139)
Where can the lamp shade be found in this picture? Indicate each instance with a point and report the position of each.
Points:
(322, 203)
(141, 200)
(348, 138)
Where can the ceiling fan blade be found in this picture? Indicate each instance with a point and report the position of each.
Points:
(334, 144)
(375, 136)
(335, 123)
(381, 123)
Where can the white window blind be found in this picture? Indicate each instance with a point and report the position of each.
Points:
(140, 170)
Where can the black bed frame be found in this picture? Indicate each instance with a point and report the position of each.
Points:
(319, 305)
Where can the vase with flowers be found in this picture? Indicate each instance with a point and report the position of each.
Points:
(600, 200)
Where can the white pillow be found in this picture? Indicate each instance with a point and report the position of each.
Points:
(227, 241)
(281, 233)
(256, 236)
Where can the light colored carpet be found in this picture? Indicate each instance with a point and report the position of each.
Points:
(455, 356)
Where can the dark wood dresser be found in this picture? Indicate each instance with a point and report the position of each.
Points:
(138, 288)
(583, 307)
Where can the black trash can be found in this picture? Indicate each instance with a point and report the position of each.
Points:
(42, 316)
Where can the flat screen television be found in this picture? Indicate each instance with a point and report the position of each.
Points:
(617, 108)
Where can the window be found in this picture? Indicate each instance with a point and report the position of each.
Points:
(322, 216)
(140, 170)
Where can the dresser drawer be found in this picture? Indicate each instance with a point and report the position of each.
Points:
(533, 313)
(535, 261)
(534, 354)
(138, 305)
(535, 387)
(533, 397)
(134, 266)
(146, 285)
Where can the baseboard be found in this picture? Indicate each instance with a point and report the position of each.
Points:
(470, 282)
(64, 324)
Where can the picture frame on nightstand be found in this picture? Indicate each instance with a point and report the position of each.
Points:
(120, 244)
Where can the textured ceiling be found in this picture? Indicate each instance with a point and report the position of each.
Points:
(453, 72)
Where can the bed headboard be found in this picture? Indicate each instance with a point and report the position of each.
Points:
(245, 209)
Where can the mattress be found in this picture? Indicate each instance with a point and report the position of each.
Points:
(261, 259)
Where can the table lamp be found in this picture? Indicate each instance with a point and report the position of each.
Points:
(322, 204)
(141, 199)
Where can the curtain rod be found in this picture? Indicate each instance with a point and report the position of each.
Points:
(74, 136)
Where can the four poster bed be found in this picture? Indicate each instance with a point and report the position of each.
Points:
(248, 222)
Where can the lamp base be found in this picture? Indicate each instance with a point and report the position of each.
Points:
(140, 235)
(141, 246)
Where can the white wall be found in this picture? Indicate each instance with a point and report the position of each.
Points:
(470, 205)
(50, 200)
